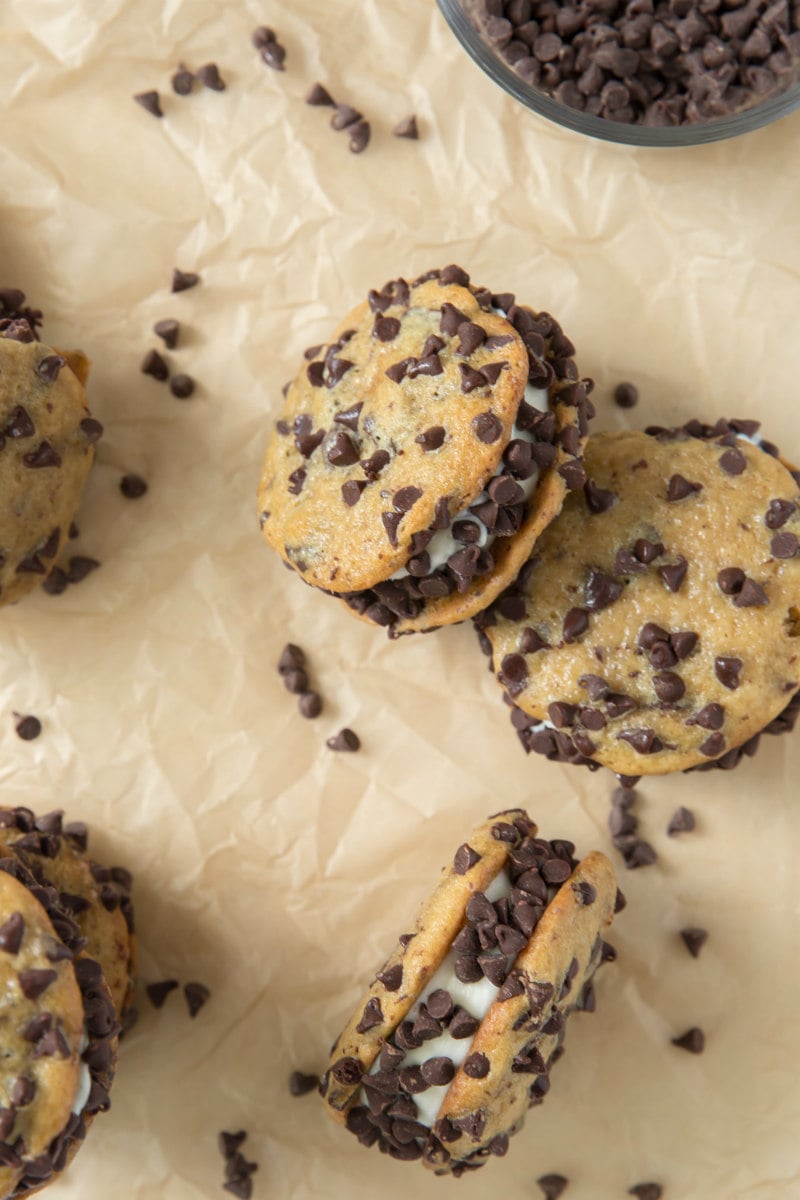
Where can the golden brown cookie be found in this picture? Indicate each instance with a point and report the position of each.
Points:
(455, 1037)
(421, 452)
(656, 628)
(47, 441)
(55, 946)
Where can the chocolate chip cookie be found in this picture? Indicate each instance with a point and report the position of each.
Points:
(423, 450)
(454, 1039)
(66, 940)
(656, 629)
(47, 441)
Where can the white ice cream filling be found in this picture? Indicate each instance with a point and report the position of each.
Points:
(476, 998)
(84, 1078)
(443, 545)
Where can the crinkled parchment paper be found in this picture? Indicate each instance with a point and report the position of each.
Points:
(267, 867)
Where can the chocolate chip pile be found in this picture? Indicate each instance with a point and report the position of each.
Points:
(238, 1171)
(648, 62)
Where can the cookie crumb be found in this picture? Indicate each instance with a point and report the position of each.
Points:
(626, 395)
(300, 1084)
(150, 102)
(345, 740)
(197, 994)
(132, 486)
(28, 727)
(158, 992)
(694, 939)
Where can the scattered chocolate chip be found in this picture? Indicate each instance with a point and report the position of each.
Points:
(626, 395)
(196, 995)
(208, 75)
(319, 96)
(407, 128)
(310, 704)
(646, 1191)
(727, 671)
(345, 116)
(183, 280)
(359, 137)
(751, 595)
(693, 1040)
(301, 1084)
(682, 821)
(465, 858)
(182, 386)
(784, 545)
(27, 728)
(182, 81)
(273, 55)
(132, 486)
(438, 1071)
(229, 1143)
(694, 939)
(552, 1186)
(673, 575)
(639, 854)
(345, 740)
(158, 992)
(679, 488)
(153, 364)
(150, 102)
(79, 567)
(168, 330)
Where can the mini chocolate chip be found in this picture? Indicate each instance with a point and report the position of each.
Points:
(183, 280)
(562, 715)
(91, 429)
(158, 992)
(210, 77)
(513, 672)
(405, 499)
(463, 1024)
(347, 1071)
(465, 858)
(432, 438)
(730, 580)
(643, 741)
(27, 728)
(295, 681)
(48, 368)
(150, 102)
(576, 622)
(640, 854)
(351, 491)
(679, 488)
(471, 336)
(390, 522)
(693, 1040)
(598, 500)
(301, 1084)
(359, 137)
(371, 1016)
(600, 590)
(11, 934)
(751, 595)
(19, 424)
(273, 55)
(585, 892)
(552, 1186)
(476, 1065)
(682, 821)
(407, 128)
(727, 671)
(79, 567)
(694, 939)
(391, 978)
(646, 1191)
(784, 545)
(683, 642)
(385, 329)
(168, 330)
(345, 116)
(318, 96)
(196, 996)
(596, 686)
(22, 1092)
(153, 364)
(296, 480)
(182, 81)
(733, 462)
(668, 686)
(778, 513)
(373, 465)
(182, 386)
(674, 574)
(34, 983)
(470, 381)
(438, 1071)
(310, 705)
(710, 716)
(626, 395)
(132, 486)
(713, 746)
(345, 740)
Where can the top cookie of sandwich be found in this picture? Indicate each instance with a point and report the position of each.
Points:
(656, 627)
(47, 441)
(393, 430)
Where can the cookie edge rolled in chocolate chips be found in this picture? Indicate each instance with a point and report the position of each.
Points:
(422, 952)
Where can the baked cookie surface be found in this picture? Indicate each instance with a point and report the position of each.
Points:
(454, 1039)
(421, 452)
(656, 628)
(47, 441)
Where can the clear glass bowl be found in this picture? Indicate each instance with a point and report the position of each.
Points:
(600, 127)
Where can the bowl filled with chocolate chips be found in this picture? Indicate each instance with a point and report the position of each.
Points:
(641, 72)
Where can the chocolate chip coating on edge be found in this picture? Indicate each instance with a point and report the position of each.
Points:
(722, 661)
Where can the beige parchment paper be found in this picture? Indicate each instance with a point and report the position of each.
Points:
(267, 867)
